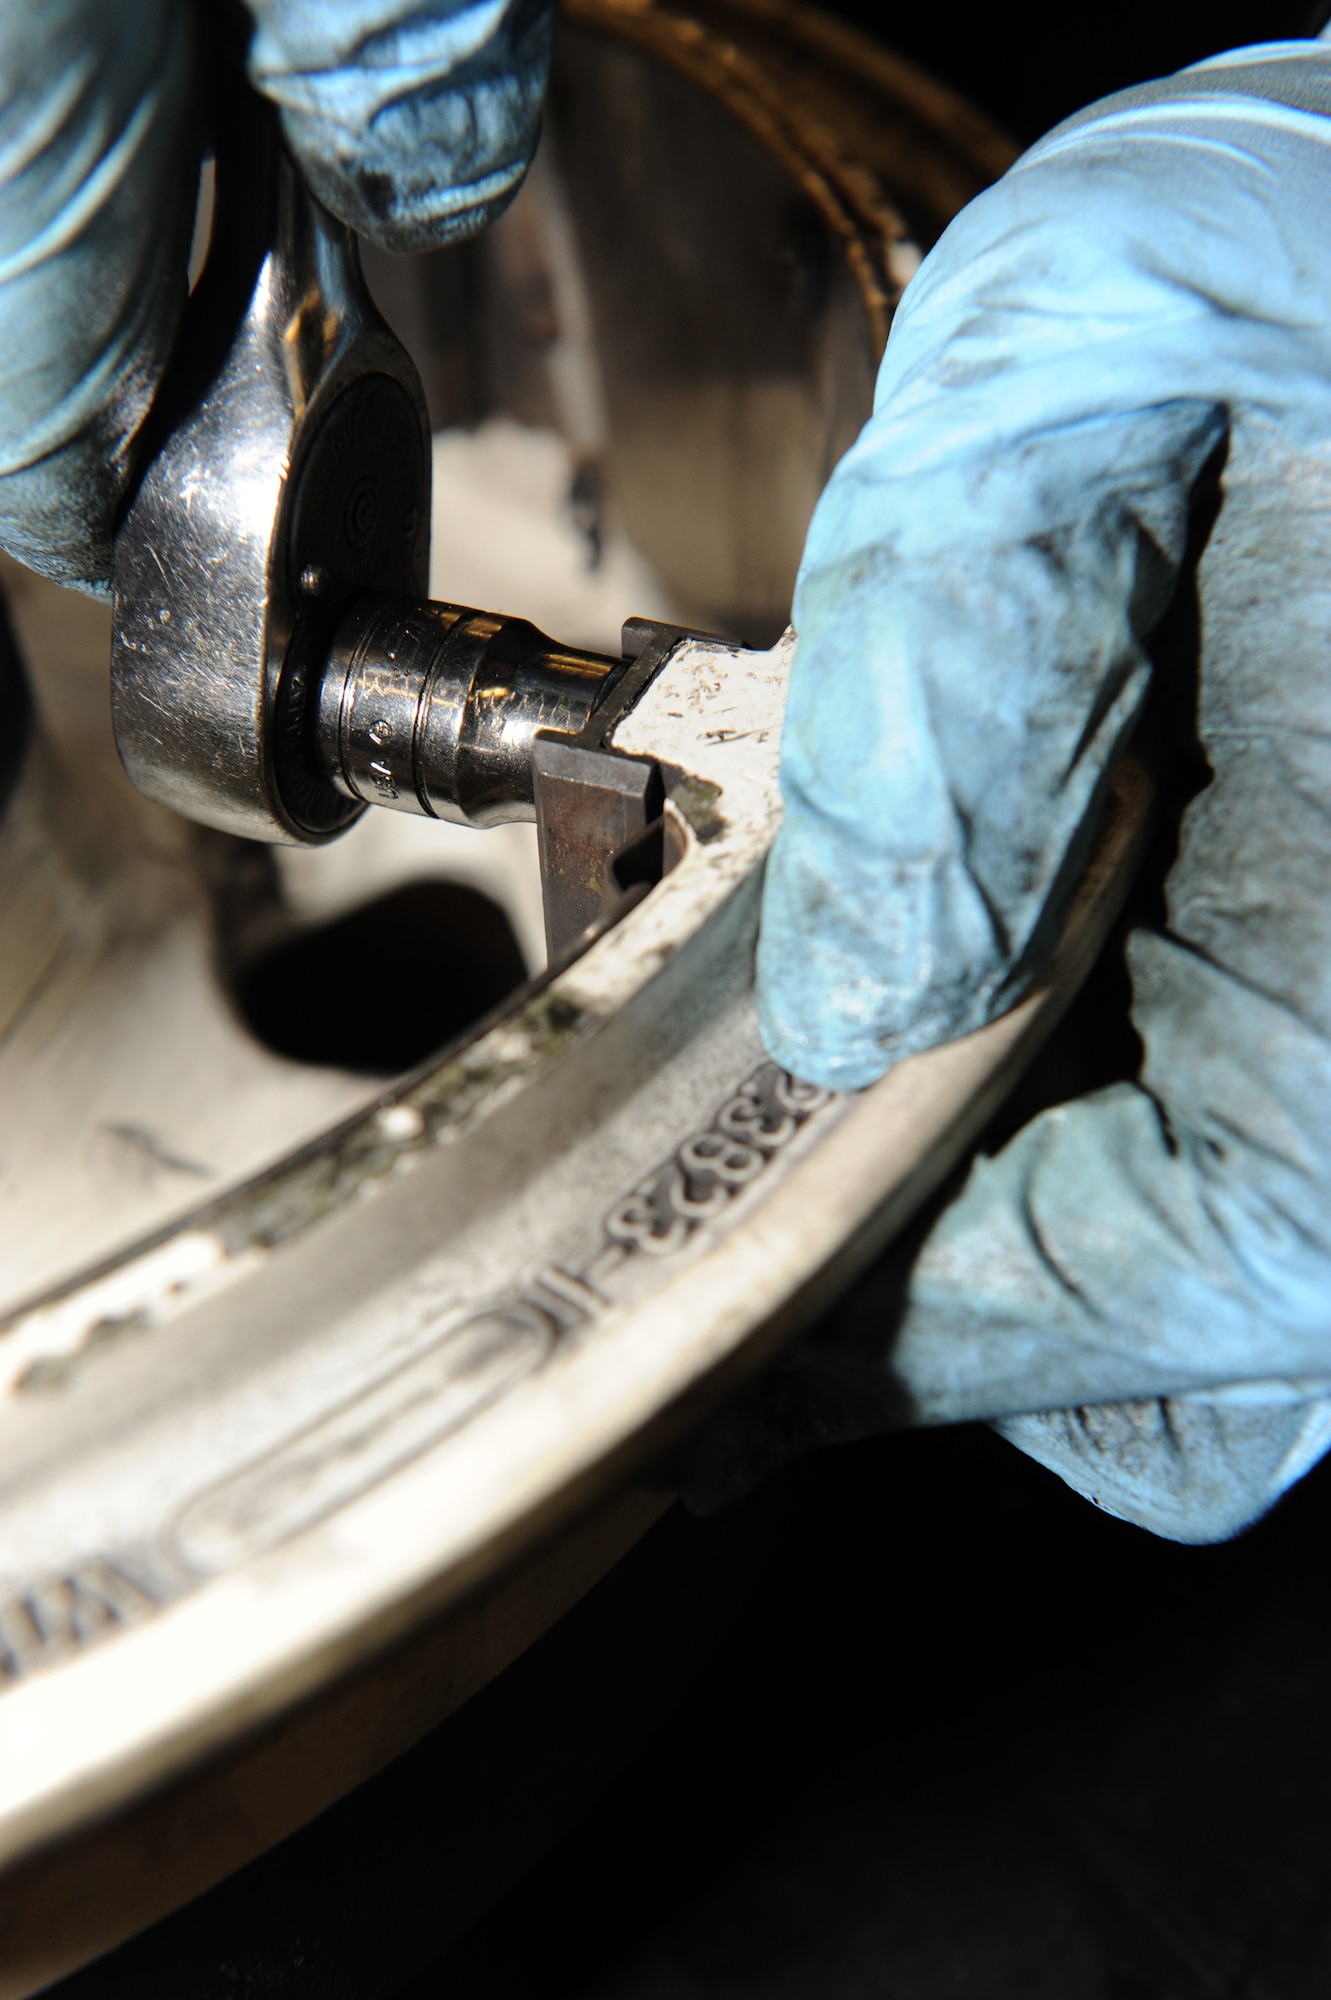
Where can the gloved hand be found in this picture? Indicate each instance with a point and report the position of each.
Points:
(413, 120)
(1148, 289)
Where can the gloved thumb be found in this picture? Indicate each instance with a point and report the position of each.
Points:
(413, 123)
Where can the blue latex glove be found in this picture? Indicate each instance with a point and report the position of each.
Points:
(414, 121)
(1152, 281)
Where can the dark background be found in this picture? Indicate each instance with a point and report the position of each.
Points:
(910, 1723)
(1030, 65)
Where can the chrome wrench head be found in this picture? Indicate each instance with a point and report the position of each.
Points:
(292, 476)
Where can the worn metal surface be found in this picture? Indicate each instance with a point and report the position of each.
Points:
(591, 806)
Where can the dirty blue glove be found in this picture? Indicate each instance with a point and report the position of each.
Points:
(413, 122)
(1139, 1286)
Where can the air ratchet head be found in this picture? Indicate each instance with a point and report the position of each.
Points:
(287, 473)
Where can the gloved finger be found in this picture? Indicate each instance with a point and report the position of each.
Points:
(414, 123)
(98, 169)
(1197, 1468)
(961, 691)
(987, 561)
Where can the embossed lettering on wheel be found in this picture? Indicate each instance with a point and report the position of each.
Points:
(709, 1169)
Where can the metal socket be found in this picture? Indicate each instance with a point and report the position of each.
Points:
(434, 709)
